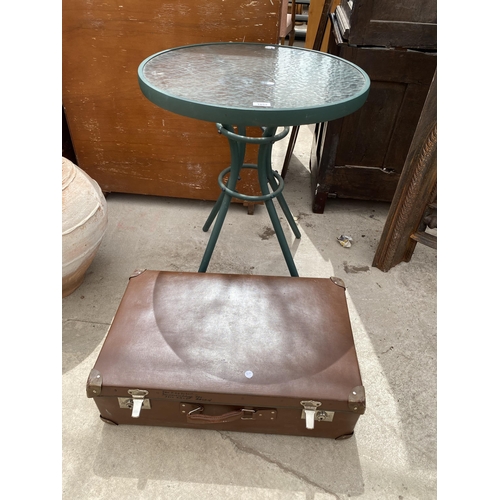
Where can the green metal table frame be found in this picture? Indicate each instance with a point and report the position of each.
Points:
(253, 84)
(266, 176)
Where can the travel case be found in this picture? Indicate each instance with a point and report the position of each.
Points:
(246, 353)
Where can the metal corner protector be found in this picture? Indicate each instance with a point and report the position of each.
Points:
(94, 383)
(357, 399)
(136, 273)
(338, 282)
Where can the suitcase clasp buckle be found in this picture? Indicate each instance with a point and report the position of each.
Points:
(245, 415)
(137, 403)
(310, 409)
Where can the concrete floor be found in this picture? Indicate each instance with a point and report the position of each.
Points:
(392, 455)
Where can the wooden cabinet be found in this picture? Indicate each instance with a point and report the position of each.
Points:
(386, 23)
(362, 155)
(122, 140)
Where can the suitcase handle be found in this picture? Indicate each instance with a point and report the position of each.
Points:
(196, 417)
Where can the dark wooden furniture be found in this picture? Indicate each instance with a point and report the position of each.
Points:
(362, 155)
(317, 9)
(385, 23)
(414, 207)
(120, 139)
(287, 22)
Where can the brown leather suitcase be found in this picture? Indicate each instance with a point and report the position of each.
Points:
(232, 352)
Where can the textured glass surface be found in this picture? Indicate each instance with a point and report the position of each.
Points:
(254, 76)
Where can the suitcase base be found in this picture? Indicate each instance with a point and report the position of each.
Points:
(273, 420)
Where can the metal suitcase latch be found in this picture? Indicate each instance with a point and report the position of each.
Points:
(311, 413)
(136, 403)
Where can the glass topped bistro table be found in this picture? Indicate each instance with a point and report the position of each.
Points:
(253, 84)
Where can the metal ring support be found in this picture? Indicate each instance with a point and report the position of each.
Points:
(247, 197)
(251, 140)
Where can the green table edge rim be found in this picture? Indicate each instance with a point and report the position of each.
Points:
(246, 116)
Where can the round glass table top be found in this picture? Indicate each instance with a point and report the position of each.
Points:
(253, 84)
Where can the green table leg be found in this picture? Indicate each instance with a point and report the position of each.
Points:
(221, 206)
(264, 162)
(281, 200)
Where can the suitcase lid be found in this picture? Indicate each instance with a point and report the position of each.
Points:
(228, 338)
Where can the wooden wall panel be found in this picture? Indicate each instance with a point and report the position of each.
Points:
(122, 140)
(379, 134)
(367, 133)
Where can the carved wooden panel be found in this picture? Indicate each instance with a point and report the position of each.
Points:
(417, 189)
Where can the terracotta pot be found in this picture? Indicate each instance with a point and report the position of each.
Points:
(84, 222)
